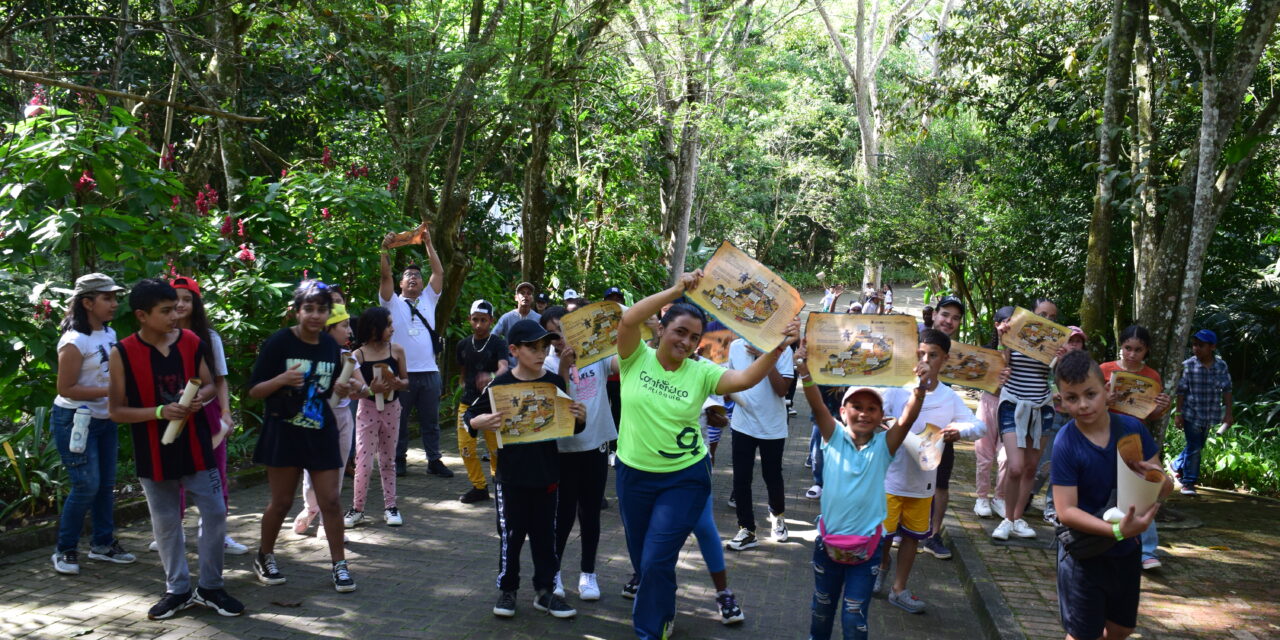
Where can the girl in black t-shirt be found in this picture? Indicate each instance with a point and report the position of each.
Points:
(295, 375)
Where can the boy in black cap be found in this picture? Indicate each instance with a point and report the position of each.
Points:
(541, 302)
(482, 356)
(528, 475)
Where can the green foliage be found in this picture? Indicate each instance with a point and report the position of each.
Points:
(32, 478)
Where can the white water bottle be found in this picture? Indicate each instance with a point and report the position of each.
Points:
(80, 429)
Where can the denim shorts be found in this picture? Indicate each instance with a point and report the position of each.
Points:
(1004, 414)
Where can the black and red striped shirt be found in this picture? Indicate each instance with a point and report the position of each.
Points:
(153, 379)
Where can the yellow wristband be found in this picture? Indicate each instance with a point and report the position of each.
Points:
(159, 408)
(1115, 528)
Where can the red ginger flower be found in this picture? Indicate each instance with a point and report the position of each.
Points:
(246, 254)
(86, 182)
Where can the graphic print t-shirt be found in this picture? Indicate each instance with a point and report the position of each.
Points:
(306, 406)
(659, 431)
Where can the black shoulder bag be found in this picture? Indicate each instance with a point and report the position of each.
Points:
(437, 343)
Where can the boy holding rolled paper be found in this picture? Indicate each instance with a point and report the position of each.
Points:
(1099, 562)
(160, 379)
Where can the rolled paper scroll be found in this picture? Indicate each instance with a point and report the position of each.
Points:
(174, 429)
(406, 238)
(386, 375)
(348, 368)
(378, 400)
(224, 429)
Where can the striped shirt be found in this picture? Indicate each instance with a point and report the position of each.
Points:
(1029, 379)
(1201, 390)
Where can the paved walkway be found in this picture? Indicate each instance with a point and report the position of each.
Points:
(434, 578)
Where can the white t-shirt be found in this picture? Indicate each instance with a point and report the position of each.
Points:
(942, 406)
(871, 307)
(588, 387)
(219, 354)
(759, 411)
(95, 349)
(409, 333)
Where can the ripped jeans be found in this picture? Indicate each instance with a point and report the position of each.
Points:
(851, 583)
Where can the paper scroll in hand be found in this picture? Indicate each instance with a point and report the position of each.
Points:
(1137, 489)
(382, 372)
(406, 238)
(174, 429)
(925, 447)
(592, 331)
(348, 369)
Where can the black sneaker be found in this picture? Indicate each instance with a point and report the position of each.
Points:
(631, 588)
(730, 612)
(553, 604)
(604, 503)
(169, 604)
(342, 580)
(474, 495)
(218, 600)
(402, 469)
(265, 566)
(112, 553)
(506, 606)
(67, 562)
(437, 468)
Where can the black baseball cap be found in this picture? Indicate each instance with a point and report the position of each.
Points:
(612, 291)
(949, 301)
(527, 332)
(542, 297)
(1003, 313)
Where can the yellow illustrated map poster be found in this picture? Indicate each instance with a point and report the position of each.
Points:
(971, 366)
(874, 350)
(1033, 336)
(1135, 395)
(747, 297)
(925, 447)
(592, 331)
(715, 345)
(531, 412)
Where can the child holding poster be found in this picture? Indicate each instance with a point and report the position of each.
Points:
(1097, 592)
(1135, 344)
(858, 455)
(526, 484)
(384, 367)
(909, 488)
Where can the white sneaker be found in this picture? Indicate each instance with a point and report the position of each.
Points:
(779, 532)
(559, 588)
(352, 518)
(154, 546)
(393, 517)
(997, 507)
(1002, 530)
(234, 548)
(814, 492)
(982, 507)
(588, 588)
(745, 539)
(1022, 529)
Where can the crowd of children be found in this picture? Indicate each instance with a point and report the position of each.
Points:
(333, 385)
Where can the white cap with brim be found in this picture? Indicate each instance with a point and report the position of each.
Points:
(96, 283)
(852, 391)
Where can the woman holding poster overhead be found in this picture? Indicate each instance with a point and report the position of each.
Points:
(663, 470)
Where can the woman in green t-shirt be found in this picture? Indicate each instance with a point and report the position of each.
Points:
(664, 472)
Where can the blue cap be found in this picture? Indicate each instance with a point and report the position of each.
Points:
(612, 291)
(1206, 336)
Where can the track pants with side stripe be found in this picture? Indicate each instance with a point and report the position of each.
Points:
(526, 511)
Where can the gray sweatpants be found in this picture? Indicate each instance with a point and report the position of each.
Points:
(166, 524)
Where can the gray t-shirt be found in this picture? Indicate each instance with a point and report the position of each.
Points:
(510, 318)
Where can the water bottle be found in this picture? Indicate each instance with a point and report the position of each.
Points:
(80, 429)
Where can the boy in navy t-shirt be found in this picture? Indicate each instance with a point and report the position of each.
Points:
(1098, 594)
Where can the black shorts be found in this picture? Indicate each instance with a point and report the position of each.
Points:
(1099, 590)
(944, 467)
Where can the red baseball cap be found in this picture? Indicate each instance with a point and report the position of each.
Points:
(183, 282)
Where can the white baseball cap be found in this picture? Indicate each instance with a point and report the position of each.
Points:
(570, 294)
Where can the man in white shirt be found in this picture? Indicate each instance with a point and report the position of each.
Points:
(413, 314)
(759, 422)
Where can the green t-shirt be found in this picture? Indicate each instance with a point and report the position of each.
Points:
(659, 431)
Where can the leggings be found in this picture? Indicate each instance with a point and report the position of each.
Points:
(583, 476)
(744, 459)
(346, 429)
(376, 434)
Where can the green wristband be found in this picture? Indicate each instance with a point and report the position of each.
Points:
(159, 408)
(1115, 528)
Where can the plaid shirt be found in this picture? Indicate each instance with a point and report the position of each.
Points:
(1201, 389)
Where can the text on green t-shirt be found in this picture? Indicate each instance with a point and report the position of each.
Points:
(659, 431)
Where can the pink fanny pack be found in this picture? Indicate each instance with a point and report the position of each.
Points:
(847, 549)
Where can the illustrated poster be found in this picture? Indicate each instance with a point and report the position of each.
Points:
(747, 297)
(592, 331)
(406, 238)
(715, 345)
(1033, 336)
(1135, 395)
(971, 366)
(531, 412)
(856, 349)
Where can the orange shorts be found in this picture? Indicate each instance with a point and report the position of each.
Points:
(910, 517)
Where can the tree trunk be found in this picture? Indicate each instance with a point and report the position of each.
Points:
(223, 74)
(1095, 302)
(535, 212)
(682, 203)
(1146, 220)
